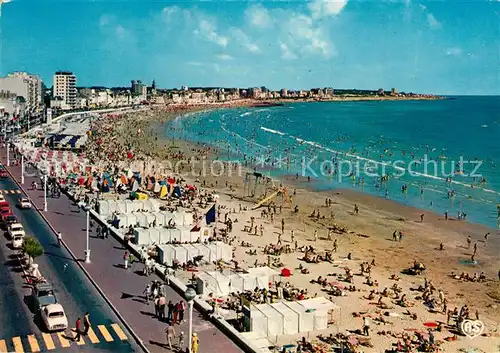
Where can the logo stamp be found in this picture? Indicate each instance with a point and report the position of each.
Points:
(472, 328)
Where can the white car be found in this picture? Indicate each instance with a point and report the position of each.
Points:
(2, 198)
(24, 203)
(15, 229)
(17, 241)
(54, 317)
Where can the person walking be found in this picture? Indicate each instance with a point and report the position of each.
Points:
(131, 260)
(59, 238)
(170, 331)
(182, 309)
(86, 323)
(181, 340)
(78, 330)
(147, 293)
(125, 259)
(366, 326)
(176, 313)
(170, 308)
(195, 342)
(162, 301)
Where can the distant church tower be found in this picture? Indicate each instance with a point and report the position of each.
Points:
(153, 86)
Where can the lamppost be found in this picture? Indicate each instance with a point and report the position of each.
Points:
(22, 169)
(45, 192)
(190, 294)
(8, 154)
(87, 250)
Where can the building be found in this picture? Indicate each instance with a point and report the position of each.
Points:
(25, 85)
(65, 88)
(139, 89)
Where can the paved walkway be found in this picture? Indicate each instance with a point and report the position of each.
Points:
(123, 287)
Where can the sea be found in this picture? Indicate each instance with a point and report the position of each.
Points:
(438, 155)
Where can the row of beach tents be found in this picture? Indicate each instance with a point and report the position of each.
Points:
(182, 253)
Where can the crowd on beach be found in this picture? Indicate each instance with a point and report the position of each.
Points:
(320, 250)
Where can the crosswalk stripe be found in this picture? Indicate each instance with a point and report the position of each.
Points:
(18, 345)
(33, 343)
(105, 333)
(18, 191)
(64, 342)
(80, 342)
(49, 343)
(3, 346)
(119, 332)
(93, 337)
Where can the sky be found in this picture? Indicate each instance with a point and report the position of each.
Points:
(442, 47)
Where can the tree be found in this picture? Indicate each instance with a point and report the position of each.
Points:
(32, 248)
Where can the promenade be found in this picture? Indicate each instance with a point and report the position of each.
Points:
(124, 288)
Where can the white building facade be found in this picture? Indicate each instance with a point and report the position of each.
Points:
(65, 87)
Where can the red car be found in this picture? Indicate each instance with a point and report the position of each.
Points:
(3, 173)
(8, 218)
(4, 204)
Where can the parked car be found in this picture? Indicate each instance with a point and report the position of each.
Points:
(8, 218)
(3, 173)
(2, 198)
(17, 241)
(24, 203)
(4, 204)
(54, 317)
(42, 295)
(15, 229)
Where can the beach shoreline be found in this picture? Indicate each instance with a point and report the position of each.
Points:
(367, 236)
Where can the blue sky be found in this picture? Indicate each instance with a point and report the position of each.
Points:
(437, 47)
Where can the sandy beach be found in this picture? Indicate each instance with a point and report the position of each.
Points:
(365, 231)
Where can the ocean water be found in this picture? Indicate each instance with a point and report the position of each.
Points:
(441, 155)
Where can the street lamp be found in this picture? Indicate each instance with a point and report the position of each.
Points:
(87, 250)
(45, 192)
(190, 294)
(22, 168)
(8, 154)
(86, 208)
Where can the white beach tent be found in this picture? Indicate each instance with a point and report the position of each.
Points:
(320, 306)
(121, 206)
(159, 218)
(180, 254)
(236, 283)
(185, 234)
(305, 318)
(264, 275)
(203, 250)
(141, 219)
(212, 282)
(103, 208)
(151, 219)
(166, 254)
(164, 236)
(129, 206)
(137, 206)
(113, 206)
(274, 319)
(290, 319)
(175, 234)
(192, 251)
(258, 323)
(168, 216)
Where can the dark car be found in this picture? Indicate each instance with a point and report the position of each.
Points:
(42, 295)
(8, 218)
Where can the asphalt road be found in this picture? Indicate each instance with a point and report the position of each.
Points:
(73, 290)
(124, 288)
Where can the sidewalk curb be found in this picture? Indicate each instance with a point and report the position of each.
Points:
(79, 263)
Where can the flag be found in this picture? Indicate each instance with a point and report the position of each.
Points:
(210, 216)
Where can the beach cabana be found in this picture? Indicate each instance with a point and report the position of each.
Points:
(192, 251)
(274, 318)
(305, 318)
(141, 219)
(159, 218)
(185, 235)
(137, 205)
(290, 319)
(264, 275)
(203, 250)
(214, 283)
(121, 206)
(257, 323)
(103, 208)
(164, 236)
(321, 308)
(166, 254)
(150, 218)
(113, 206)
(180, 254)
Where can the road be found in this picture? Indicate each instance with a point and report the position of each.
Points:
(123, 288)
(21, 329)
